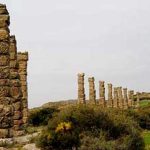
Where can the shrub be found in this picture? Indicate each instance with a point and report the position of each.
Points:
(41, 116)
(141, 116)
(91, 128)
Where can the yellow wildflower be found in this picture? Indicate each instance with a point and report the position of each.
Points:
(63, 126)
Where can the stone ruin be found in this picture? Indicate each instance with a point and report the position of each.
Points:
(118, 97)
(13, 82)
(92, 91)
(81, 90)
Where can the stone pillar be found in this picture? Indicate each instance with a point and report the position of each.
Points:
(6, 109)
(125, 98)
(15, 89)
(137, 99)
(115, 104)
(131, 98)
(102, 93)
(110, 97)
(81, 90)
(22, 60)
(92, 91)
(120, 97)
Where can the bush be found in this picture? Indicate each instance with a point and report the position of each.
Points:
(91, 128)
(141, 116)
(41, 116)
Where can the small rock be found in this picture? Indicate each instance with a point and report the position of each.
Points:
(30, 147)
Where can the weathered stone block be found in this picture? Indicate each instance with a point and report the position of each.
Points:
(13, 56)
(25, 103)
(24, 94)
(13, 64)
(4, 82)
(4, 33)
(6, 123)
(23, 56)
(14, 75)
(4, 72)
(14, 100)
(25, 112)
(4, 133)
(23, 77)
(5, 100)
(17, 128)
(25, 119)
(15, 92)
(4, 20)
(8, 109)
(15, 82)
(18, 122)
(17, 115)
(17, 106)
(4, 60)
(18, 133)
(4, 48)
(4, 91)
(3, 9)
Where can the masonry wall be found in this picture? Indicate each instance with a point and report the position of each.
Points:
(6, 108)
(13, 107)
(22, 61)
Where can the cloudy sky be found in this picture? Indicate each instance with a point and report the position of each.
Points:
(107, 39)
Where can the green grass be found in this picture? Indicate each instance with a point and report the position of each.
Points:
(146, 135)
(144, 103)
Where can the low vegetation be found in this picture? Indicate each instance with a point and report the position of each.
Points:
(87, 128)
(40, 117)
(93, 128)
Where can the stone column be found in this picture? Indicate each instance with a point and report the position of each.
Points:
(115, 104)
(22, 60)
(6, 109)
(131, 98)
(120, 97)
(125, 98)
(110, 97)
(137, 99)
(81, 90)
(102, 93)
(15, 89)
(92, 91)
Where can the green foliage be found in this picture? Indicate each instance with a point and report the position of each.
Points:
(91, 128)
(39, 117)
(141, 116)
(146, 136)
(144, 103)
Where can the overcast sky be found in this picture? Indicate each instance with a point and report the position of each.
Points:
(107, 39)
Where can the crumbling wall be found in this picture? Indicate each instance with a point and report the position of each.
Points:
(6, 108)
(15, 89)
(13, 107)
(22, 61)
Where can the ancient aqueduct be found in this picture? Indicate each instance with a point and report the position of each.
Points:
(13, 86)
